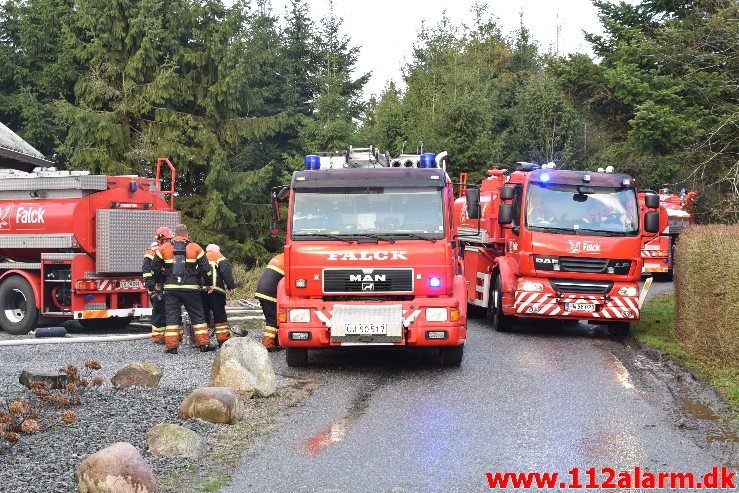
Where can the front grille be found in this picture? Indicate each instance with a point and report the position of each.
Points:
(582, 264)
(368, 281)
(584, 287)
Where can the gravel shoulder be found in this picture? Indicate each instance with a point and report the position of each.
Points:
(46, 462)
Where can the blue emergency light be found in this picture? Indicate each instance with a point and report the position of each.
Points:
(428, 160)
(312, 162)
(133, 186)
(544, 177)
(434, 282)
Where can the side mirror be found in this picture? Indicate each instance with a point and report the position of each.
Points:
(651, 222)
(473, 203)
(651, 200)
(505, 214)
(274, 214)
(507, 193)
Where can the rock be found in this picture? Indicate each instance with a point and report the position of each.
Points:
(144, 375)
(54, 380)
(214, 404)
(243, 364)
(118, 468)
(172, 440)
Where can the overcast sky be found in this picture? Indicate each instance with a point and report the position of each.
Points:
(386, 29)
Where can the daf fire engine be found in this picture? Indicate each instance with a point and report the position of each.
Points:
(72, 246)
(676, 213)
(548, 243)
(370, 256)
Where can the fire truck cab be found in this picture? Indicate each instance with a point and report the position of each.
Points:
(676, 213)
(549, 243)
(370, 256)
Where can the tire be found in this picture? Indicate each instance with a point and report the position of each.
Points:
(18, 310)
(112, 323)
(296, 357)
(620, 330)
(451, 355)
(501, 322)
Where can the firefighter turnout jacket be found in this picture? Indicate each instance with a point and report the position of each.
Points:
(221, 273)
(267, 286)
(150, 279)
(184, 265)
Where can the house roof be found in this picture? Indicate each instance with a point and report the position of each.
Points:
(16, 153)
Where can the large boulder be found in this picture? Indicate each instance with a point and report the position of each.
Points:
(144, 375)
(53, 380)
(214, 404)
(172, 440)
(243, 364)
(118, 468)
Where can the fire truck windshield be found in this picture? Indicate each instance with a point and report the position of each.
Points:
(353, 212)
(573, 209)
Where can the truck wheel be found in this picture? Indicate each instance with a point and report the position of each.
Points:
(451, 355)
(501, 322)
(113, 323)
(620, 330)
(18, 313)
(296, 357)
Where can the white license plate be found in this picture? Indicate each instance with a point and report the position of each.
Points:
(130, 284)
(579, 307)
(365, 329)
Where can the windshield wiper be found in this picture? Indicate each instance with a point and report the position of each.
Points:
(414, 235)
(324, 235)
(600, 232)
(374, 235)
(547, 229)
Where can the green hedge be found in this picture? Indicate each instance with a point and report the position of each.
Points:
(707, 292)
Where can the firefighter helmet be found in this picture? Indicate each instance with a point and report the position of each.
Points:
(164, 233)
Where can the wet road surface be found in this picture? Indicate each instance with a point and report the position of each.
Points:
(546, 397)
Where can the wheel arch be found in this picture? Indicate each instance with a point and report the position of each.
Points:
(34, 279)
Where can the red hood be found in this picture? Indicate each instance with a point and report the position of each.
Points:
(613, 247)
(306, 260)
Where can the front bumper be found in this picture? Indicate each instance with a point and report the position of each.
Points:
(413, 330)
(551, 304)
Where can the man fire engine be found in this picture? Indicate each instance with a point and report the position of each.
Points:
(548, 243)
(370, 257)
(676, 213)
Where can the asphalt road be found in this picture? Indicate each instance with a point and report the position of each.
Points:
(546, 397)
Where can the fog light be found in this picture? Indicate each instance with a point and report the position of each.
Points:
(530, 286)
(434, 282)
(300, 336)
(436, 334)
(436, 314)
(299, 315)
(300, 283)
(631, 291)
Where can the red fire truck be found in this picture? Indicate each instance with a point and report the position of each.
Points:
(72, 246)
(676, 213)
(547, 243)
(370, 256)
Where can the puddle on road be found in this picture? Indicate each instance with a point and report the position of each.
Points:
(618, 371)
(336, 431)
(702, 411)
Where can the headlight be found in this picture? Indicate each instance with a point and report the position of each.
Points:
(436, 315)
(530, 286)
(300, 315)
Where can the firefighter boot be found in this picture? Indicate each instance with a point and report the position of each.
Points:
(172, 338)
(223, 333)
(269, 338)
(202, 338)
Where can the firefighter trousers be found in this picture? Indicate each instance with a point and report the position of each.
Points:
(174, 299)
(269, 308)
(158, 320)
(214, 305)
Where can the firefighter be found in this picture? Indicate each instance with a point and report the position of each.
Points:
(186, 269)
(222, 283)
(154, 285)
(267, 294)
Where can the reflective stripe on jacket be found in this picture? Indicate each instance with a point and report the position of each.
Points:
(267, 286)
(197, 271)
(221, 273)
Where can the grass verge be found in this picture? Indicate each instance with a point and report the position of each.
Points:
(657, 329)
